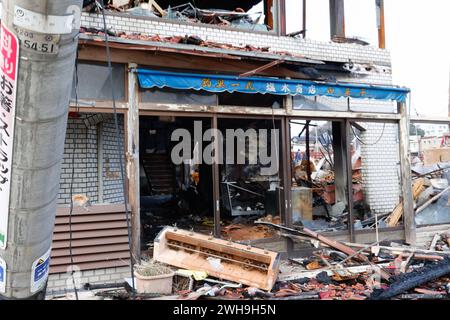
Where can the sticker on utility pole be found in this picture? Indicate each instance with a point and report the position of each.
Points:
(47, 24)
(9, 62)
(2, 276)
(41, 43)
(39, 272)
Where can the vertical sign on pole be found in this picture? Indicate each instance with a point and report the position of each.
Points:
(9, 59)
(2, 276)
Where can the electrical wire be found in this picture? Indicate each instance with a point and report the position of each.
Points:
(369, 144)
(75, 140)
(118, 141)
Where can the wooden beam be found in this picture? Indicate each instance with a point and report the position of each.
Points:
(395, 216)
(268, 5)
(340, 160)
(216, 181)
(433, 120)
(282, 25)
(406, 181)
(183, 61)
(257, 111)
(333, 115)
(284, 194)
(132, 164)
(154, 4)
(262, 68)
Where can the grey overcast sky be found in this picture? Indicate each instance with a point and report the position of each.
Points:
(417, 35)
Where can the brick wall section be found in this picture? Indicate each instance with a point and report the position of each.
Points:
(112, 183)
(310, 48)
(380, 166)
(61, 282)
(86, 176)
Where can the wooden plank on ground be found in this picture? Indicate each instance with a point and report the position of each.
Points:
(395, 216)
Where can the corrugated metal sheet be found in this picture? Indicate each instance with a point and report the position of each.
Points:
(99, 238)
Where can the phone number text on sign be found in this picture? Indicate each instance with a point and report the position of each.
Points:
(9, 58)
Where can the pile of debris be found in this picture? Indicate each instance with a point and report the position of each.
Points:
(209, 268)
(185, 12)
(192, 40)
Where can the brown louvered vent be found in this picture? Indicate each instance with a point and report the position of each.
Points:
(99, 238)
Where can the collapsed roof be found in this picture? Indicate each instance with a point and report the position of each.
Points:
(201, 4)
(212, 4)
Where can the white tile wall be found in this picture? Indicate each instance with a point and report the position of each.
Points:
(86, 177)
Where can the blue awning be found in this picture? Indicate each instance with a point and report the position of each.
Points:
(224, 83)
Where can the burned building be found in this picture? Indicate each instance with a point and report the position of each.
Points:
(192, 71)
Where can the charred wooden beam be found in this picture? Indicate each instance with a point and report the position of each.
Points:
(414, 279)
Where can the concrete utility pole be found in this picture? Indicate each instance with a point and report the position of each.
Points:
(47, 31)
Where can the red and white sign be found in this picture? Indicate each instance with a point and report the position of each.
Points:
(9, 62)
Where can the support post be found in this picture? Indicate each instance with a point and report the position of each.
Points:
(308, 152)
(132, 165)
(286, 173)
(269, 13)
(348, 158)
(381, 24)
(282, 17)
(216, 181)
(340, 164)
(409, 222)
(304, 19)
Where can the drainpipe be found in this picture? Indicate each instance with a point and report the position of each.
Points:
(100, 161)
(47, 30)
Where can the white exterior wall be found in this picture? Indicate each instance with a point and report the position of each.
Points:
(85, 180)
(380, 162)
(62, 282)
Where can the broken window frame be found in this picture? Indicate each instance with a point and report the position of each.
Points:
(437, 193)
(122, 97)
(351, 234)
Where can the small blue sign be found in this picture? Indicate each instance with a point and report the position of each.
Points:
(2, 276)
(41, 269)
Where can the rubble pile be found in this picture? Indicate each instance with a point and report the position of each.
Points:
(192, 40)
(334, 271)
(187, 12)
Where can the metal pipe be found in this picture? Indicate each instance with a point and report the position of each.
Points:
(381, 24)
(337, 19)
(100, 162)
(304, 19)
(46, 64)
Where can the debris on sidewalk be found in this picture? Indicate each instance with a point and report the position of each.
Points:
(219, 258)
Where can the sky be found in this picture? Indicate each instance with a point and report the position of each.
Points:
(417, 35)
